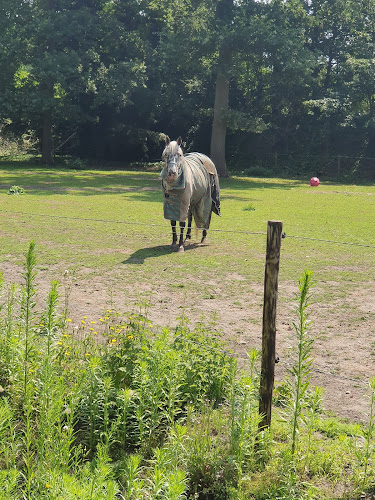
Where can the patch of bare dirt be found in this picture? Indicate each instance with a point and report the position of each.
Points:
(343, 327)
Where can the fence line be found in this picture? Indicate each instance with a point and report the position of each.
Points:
(335, 166)
(329, 241)
(164, 226)
(330, 374)
(111, 221)
(279, 361)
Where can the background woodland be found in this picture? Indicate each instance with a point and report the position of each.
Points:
(279, 84)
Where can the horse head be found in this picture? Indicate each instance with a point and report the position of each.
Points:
(172, 155)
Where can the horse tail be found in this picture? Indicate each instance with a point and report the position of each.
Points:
(215, 195)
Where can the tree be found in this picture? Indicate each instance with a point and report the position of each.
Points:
(224, 27)
(69, 63)
(196, 46)
(233, 76)
(341, 34)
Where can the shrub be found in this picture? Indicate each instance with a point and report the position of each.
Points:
(144, 382)
(11, 145)
(16, 190)
(75, 163)
(258, 171)
(248, 208)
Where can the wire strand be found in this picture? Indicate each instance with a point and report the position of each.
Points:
(164, 226)
(329, 241)
(329, 374)
(111, 221)
(245, 356)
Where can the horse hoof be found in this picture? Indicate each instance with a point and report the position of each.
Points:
(181, 249)
(204, 241)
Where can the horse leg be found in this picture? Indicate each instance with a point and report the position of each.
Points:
(181, 242)
(204, 239)
(190, 219)
(174, 234)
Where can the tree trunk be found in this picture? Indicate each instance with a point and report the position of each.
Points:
(47, 139)
(46, 86)
(219, 125)
(327, 79)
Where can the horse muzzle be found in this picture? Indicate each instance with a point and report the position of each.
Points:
(171, 177)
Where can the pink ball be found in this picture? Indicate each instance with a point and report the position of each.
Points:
(314, 181)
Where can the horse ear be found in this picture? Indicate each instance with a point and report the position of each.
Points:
(179, 141)
(167, 140)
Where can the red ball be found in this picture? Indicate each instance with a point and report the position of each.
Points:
(314, 181)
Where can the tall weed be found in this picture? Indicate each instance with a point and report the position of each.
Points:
(246, 443)
(300, 371)
(368, 436)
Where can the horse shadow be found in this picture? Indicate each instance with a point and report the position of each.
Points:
(139, 256)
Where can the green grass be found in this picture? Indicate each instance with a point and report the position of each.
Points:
(110, 220)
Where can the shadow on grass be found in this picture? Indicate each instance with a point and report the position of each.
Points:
(145, 184)
(143, 254)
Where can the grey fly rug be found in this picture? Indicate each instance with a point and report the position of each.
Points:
(197, 188)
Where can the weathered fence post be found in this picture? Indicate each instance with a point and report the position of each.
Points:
(274, 235)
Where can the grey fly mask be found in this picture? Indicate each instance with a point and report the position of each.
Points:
(173, 157)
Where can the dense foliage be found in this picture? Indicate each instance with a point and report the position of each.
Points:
(277, 77)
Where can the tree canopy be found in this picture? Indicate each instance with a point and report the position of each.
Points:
(237, 79)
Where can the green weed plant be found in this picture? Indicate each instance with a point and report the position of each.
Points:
(16, 190)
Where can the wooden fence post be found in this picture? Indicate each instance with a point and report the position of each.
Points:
(274, 235)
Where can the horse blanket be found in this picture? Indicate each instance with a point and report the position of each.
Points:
(197, 188)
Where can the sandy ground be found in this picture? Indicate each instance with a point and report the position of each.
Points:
(343, 329)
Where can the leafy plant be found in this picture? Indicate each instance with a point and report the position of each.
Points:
(248, 208)
(368, 434)
(294, 394)
(16, 190)
(75, 163)
(209, 372)
(258, 171)
(211, 472)
(245, 441)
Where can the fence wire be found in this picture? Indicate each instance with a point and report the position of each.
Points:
(330, 241)
(329, 374)
(288, 363)
(166, 227)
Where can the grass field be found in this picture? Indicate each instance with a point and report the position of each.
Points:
(107, 229)
(75, 216)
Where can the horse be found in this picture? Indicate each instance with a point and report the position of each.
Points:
(190, 187)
